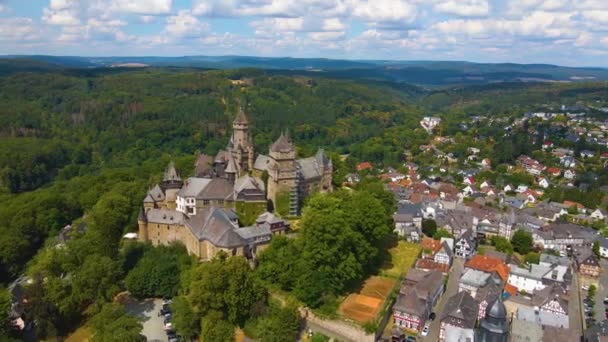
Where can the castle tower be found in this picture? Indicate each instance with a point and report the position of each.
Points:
(282, 171)
(142, 224)
(171, 184)
(241, 144)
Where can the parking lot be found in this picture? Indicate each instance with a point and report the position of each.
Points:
(147, 310)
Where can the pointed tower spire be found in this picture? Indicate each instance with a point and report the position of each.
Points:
(171, 173)
(240, 119)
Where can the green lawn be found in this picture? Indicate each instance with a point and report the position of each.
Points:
(403, 257)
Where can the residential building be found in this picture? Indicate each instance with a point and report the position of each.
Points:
(603, 247)
(570, 174)
(429, 123)
(459, 311)
(536, 277)
(465, 245)
(408, 221)
(588, 266)
(418, 295)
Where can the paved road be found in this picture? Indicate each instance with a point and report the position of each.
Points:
(148, 311)
(574, 305)
(602, 292)
(452, 289)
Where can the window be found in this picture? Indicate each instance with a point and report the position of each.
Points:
(205, 202)
(220, 202)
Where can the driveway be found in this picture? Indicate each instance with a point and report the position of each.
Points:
(451, 289)
(147, 310)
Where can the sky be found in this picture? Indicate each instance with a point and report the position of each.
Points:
(565, 32)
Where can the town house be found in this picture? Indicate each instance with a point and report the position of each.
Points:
(418, 295)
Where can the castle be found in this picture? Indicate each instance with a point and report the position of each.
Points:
(201, 211)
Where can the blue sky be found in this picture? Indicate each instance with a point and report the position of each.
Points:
(566, 32)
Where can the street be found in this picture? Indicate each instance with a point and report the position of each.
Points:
(602, 292)
(452, 289)
(574, 305)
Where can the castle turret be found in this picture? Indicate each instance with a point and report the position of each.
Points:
(171, 184)
(142, 224)
(282, 169)
(241, 145)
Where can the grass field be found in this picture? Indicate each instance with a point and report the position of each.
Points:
(365, 305)
(83, 334)
(403, 257)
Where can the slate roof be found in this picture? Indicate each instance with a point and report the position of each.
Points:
(413, 299)
(207, 189)
(216, 225)
(240, 118)
(554, 291)
(261, 162)
(156, 194)
(165, 216)
(282, 144)
(253, 232)
(533, 271)
(248, 183)
(461, 310)
(474, 278)
(171, 173)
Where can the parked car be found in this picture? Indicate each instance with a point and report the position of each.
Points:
(432, 316)
(425, 330)
(585, 288)
(410, 339)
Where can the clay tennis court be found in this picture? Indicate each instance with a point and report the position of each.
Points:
(365, 305)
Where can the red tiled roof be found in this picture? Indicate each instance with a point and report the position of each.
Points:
(489, 264)
(364, 166)
(433, 245)
(572, 204)
(510, 289)
(431, 265)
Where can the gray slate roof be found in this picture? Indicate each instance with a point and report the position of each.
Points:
(165, 216)
(207, 189)
(248, 183)
(261, 162)
(282, 144)
(216, 225)
(461, 310)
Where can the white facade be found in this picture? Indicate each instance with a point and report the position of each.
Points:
(186, 205)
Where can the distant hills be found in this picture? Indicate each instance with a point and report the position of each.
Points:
(425, 73)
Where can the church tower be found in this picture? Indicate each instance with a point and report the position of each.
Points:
(241, 144)
(494, 327)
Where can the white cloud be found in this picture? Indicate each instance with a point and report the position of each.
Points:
(385, 11)
(62, 12)
(18, 29)
(145, 7)
(326, 36)
(185, 25)
(467, 8)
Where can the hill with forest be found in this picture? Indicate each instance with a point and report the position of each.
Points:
(424, 73)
